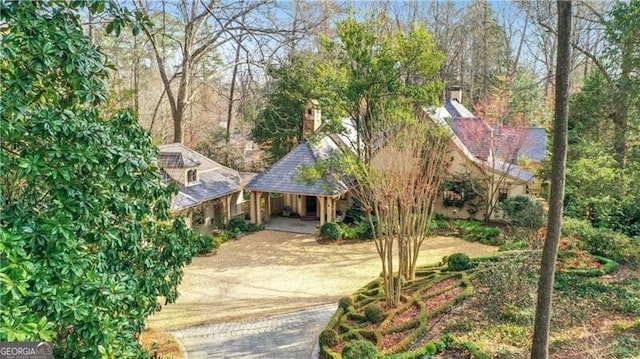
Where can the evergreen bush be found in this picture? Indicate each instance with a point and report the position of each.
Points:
(458, 262)
(373, 313)
(331, 230)
(328, 337)
(360, 349)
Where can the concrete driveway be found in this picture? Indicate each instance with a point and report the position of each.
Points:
(269, 273)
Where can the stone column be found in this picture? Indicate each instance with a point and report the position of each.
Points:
(228, 208)
(323, 209)
(258, 208)
(252, 207)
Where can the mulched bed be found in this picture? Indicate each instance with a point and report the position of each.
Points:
(405, 316)
(437, 301)
(391, 339)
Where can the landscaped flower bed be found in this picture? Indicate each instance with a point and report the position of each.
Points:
(364, 323)
(365, 316)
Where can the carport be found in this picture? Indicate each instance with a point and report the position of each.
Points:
(321, 200)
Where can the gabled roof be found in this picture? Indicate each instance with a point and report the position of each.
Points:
(474, 133)
(532, 142)
(282, 176)
(176, 160)
(214, 179)
(440, 117)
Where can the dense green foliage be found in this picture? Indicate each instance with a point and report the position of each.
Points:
(458, 262)
(524, 211)
(238, 225)
(360, 349)
(604, 153)
(87, 244)
(331, 230)
(278, 127)
(604, 241)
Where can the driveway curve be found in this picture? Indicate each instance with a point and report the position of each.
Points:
(269, 273)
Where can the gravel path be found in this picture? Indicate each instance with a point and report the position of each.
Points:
(247, 286)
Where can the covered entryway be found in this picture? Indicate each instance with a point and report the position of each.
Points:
(300, 206)
(320, 199)
(292, 225)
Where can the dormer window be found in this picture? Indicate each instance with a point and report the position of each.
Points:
(192, 176)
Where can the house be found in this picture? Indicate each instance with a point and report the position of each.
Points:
(490, 155)
(279, 189)
(476, 149)
(210, 194)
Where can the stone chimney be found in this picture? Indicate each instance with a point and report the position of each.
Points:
(311, 119)
(455, 93)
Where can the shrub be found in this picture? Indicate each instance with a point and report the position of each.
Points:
(205, 243)
(475, 231)
(359, 349)
(237, 224)
(524, 211)
(345, 303)
(328, 337)
(331, 230)
(373, 313)
(603, 241)
(459, 261)
(349, 231)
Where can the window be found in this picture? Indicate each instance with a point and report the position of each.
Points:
(454, 194)
(192, 176)
(197, 218)
(503, 193)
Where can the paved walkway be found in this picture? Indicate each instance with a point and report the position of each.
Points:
(292, 335)
(294, 225)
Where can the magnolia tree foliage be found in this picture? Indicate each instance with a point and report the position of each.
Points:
(87, 244)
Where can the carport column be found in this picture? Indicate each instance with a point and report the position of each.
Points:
(258, 209)
(228, 209)
(331, 209)
(252, 207)
(267, 211)
(323, 212)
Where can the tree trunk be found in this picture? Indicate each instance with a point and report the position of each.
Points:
(621, 114)
(540, 347)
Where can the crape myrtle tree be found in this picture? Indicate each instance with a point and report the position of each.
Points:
(382, 79)
(397, 192)
(87, 243)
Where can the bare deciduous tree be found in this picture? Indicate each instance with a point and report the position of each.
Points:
(397, 191)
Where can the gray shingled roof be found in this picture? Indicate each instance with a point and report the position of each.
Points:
(533, 142)
(282, 177)
(215, 180)
(476, 135)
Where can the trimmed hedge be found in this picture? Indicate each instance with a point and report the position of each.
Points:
(360, 349)
(331, 230)
(459, 262)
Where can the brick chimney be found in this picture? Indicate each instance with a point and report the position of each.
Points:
(455, 93)
(311, 119)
